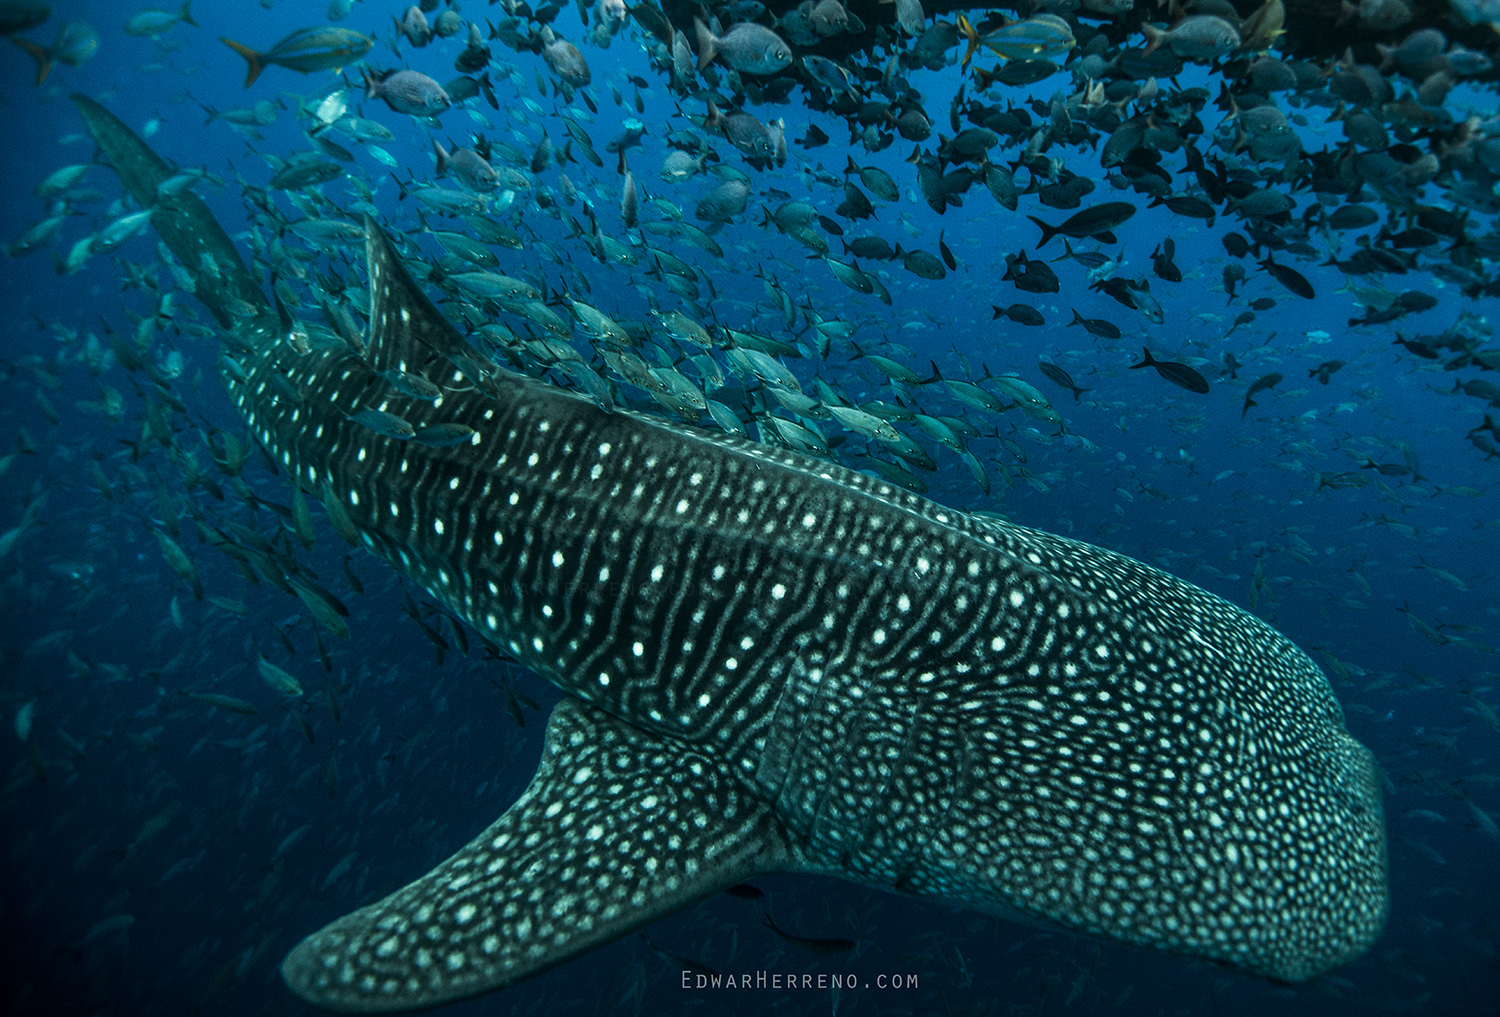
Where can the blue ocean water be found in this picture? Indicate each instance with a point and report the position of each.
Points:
(165, 854)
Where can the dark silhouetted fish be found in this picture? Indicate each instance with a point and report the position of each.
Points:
(1059, 376)
(1289, 277)
(1162, 263)
(1096, 326)
(1095, 221)
(1260, 384)
(1021, 314)
(1180, 375)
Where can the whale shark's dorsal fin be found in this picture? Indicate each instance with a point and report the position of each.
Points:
(407, 331)
(619, 827)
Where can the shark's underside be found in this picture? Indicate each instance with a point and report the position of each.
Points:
(773, 663)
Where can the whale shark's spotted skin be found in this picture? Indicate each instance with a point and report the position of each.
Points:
(774, 663)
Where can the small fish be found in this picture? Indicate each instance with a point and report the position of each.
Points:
(747, 47)
(409, 92)
(1029, 275)
(1324, 370)
(1021, 314)
(60, 180)
(948, 258)
(444, 435)
(384, 423)
(1243, 318)
(1039, 37)
(565, 59)
(814, 138)
(223, 702)
(467, 166)
(153, 22)
(76, 42)
(1180, 375)
(1200, 37)
(1096, 221)
(1260, 384)
(830, 75)
(880, 183)
(305, 50)
(278, 679)
(1289, 277)
(1088, 259)
(1096, 326)
(818, 946)
(1060, 377)
(1162, 263)
(629, 200)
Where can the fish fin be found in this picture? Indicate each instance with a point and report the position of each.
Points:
(41, 54)
(407, 333)
(547, 881)
(254, 59)
(185, 15)
(1048, 232)
(973, 36)
(707, 49)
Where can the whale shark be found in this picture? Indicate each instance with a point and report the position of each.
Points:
(771, 663)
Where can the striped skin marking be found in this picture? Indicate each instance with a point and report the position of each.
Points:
(898, 694)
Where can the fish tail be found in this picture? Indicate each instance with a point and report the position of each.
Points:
(254, 59)
(185, 15)
(706, 43)
(973, 37)
(372, 83)
(442, 156)
(1146, 360)
(41, 54)
(1154, 37)
(1048, 232)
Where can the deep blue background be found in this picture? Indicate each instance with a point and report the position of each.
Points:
(426, 756)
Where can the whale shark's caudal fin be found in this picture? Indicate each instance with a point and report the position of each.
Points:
(618, 827)
(183, 221)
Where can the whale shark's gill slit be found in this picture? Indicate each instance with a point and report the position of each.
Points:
(618, 827)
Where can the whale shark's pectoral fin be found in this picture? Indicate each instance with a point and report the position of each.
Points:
(618, 827)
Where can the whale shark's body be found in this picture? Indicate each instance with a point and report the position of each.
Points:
(772, 663)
